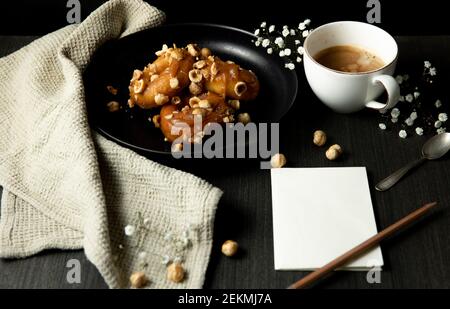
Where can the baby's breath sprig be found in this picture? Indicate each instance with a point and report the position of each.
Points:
(420, 110)
(286, 42)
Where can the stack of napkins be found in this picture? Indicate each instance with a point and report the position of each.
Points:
(319, 214)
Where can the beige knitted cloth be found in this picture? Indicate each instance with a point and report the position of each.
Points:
(67, 187)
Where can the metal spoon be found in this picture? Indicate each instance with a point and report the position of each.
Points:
(433, 149)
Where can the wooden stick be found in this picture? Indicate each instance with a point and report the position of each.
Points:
(362, 248)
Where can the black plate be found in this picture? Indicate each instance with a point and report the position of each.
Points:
(114, 62)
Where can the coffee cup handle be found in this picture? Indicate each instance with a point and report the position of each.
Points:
(392, 89)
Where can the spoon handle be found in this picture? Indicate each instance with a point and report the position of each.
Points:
(391, 180)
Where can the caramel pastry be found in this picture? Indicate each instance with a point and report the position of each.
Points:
(211, 107)
(229, 80)
(161, 80)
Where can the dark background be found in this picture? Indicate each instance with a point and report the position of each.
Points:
(419, 258)
(30, 17)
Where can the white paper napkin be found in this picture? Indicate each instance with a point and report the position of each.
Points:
(319, 214)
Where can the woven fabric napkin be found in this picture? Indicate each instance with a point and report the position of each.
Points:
(67, 187)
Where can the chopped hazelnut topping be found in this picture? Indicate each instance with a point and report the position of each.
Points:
(176, 100)
(195, 89)
(204, 104)
(193, 50)
(161, 99)
(240, 88)
(156, 120)
(137, 74)
(174, 83)
(193, 101)
(200, 64)
(153, 77)
(139, 86)
(195, 76)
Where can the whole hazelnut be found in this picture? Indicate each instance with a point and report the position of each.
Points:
(320, 138)
(334, 152)
(278, 160)
(138, 280)
(113, 106)
(175, 272)
(205, 52)
(230, 247)
(244, 118)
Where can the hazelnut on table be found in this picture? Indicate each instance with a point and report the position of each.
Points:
(113, 106)
(278, 160)
(138, 280)
(320, 138)
(334, 152)
(230, 247)
(175, 272)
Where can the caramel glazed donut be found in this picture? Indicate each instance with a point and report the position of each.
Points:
(190, 82)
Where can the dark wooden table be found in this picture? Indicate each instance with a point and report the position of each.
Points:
(416, 259)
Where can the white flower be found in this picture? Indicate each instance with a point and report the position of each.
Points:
(285, 27)
(281, 54)
(290, 66)
(271, 28)
(401, 99)
(270, 50)
(443, 117)
(395, 113)
(399, 79)
(437, 124)
(265, 43)
(382, 126)
(287, 52)
(416, 94)
(409, 122)
(165, 260)
(257, 42)
(257, 32)
(438, 103)
(292, 32)
(433, 71)
(441, 130)
(394, 120)
(280, 42)
(297, 42)
(409, 98)
(427, 64)
(129, 230)
(413, 115)
(299, 59)
(305, 33)
(301, 50)
(307, 21)
(419, 131)
(285, 32)
(142, 255)
(301, 26)
(263, 24)
(402, 134)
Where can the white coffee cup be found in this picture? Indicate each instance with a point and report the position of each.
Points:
(350, 92)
